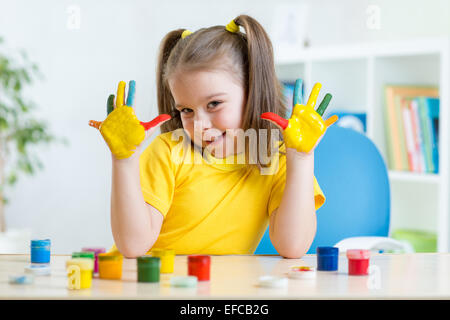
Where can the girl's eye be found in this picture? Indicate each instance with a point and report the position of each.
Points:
(214, 103)
(183, 110)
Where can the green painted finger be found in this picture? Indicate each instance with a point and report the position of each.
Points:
(324, 104)
(110, 104)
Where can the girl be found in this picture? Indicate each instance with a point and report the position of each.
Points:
(212, 197)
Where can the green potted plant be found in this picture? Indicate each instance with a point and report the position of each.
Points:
(19, 133)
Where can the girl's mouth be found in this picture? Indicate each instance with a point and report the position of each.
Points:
(216, 139)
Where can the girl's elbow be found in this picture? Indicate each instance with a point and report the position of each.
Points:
(132, 253)
(292, 250)
(292, 253)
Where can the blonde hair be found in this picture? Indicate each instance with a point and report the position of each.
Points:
(249, 55)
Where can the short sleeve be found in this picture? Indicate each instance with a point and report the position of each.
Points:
(277, 190)
(157, 174)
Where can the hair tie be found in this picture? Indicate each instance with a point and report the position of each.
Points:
(185, 33)
(232, 27)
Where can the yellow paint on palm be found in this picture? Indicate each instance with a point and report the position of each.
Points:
(122, 131)
(305, 126)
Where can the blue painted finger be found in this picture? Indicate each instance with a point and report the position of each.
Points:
(298, 92)
(131, 91)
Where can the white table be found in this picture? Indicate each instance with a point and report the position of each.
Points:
(392, 276)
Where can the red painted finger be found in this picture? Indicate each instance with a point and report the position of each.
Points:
(155, 122)
(283, 123)
(95, 124)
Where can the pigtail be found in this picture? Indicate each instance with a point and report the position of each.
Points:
(164, 96)
(264, 89)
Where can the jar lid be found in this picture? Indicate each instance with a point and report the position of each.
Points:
(327, 251)
(40, 243)
(83, 263)
(108, 256)
(147, 259)
(83, 254)
(269, 281)
(20, 279)
(183, 281)
(199, 258)
(38, 269)
(157, 252)
(94, 249)
(358, 254)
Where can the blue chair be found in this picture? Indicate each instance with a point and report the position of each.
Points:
(353, 176)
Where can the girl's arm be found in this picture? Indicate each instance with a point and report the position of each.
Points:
(135, 224)
(293, 224)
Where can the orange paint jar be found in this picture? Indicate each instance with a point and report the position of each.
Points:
(110, 266)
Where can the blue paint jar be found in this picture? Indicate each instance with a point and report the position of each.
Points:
(40, 251)
(327, 258)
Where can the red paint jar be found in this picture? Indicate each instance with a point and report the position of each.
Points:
(198, 266)
(358, 262)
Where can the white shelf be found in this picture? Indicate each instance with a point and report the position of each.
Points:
(355, 75)
(405, 176)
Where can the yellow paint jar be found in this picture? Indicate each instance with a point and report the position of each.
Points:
(167, 257)
(79, 273)
(110, 266)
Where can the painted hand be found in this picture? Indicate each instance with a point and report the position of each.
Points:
(305, 128)
(122, 130)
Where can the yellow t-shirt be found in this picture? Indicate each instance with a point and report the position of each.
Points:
(210, 205)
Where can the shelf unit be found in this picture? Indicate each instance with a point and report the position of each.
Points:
(355, 74)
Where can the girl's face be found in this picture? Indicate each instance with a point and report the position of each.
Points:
(212, 103)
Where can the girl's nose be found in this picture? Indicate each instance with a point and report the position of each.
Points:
(202, 121)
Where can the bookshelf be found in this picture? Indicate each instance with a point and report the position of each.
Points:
(355, 74)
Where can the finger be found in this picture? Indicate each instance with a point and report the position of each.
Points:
(156, 121)
(331, 120)
(95, 124)
(298, 92)
(120, 94)
(324, 104)
(131, 91)
(276, 119)
(110, 104)
(314, 94)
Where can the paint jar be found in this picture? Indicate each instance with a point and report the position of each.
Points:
(167, 257)
(358, 262)
(96, 251)
(199, 266)
(40, 251)
(327, 258)
(88, 255)
(148, 268)
(79, 272)
(110, 266)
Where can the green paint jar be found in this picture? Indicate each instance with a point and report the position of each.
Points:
(82, 254)
(148, 268)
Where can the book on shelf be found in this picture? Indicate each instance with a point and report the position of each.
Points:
(412, 128)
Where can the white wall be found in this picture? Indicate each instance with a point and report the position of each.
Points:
(69, 201)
